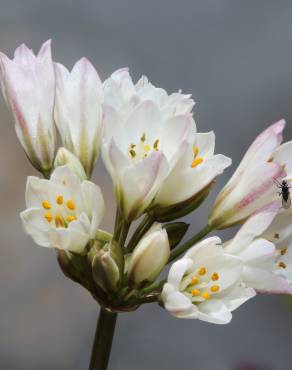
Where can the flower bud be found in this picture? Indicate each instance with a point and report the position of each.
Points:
(107, 267)
(149, 257)
(65, 157)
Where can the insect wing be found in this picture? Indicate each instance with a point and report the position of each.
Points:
(286, 203)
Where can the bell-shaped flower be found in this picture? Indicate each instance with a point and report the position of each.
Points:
(62, 212)
(252, 186)
(149, 257)
(205, 284)
(78, 111)
(195, 171)
(28, 86)
(123, 95)
(139, 149)
(259, 255)
(65, 158)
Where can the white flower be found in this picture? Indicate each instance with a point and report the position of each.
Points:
(62, 212)
(205, 284)
(124, 96)
(258, 254)
(279, 233)
(141, 145)
(252, 186)
(28, 85)
(78, 110)
(195, 170)
(150, 256)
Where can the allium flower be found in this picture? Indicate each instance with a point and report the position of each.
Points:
(195, 170)
(150, 256)
(28, 85)
(123, 95)
(252, 186)
(262, 264)
(205, 284)
(141, 143)
(78, 111)
(279, 233)
(62, 212)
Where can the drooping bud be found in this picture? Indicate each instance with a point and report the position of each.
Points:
(149, 257)
(65, 157)
(107, 267)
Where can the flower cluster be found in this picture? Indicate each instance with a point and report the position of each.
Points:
(161, 169)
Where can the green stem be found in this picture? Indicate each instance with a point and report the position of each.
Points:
(184, 247)
(144, 226)
(154, 286)
(103, 340)
(124, 232)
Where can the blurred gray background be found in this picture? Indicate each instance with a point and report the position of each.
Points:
(235, 57)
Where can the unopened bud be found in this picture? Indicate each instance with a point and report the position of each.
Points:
(65, 157)
(149, 257)
(107, 267)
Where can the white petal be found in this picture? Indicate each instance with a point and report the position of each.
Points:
(36, 226)
(177, 271)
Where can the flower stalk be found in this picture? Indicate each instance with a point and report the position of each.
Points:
(103, 340)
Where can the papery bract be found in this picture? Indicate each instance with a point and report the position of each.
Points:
(252, 186)
(78, 111)
(28, 85)
(62, 212)
(205, 284)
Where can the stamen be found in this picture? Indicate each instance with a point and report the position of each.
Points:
(202, 271)
(282, 265)
(195, 280)
(155, 145)
(195, 150)
(59, 200)
(132, 153)
(132, 146)
(59, 220)
(71, 218)
(195, 292)
(147, 147)
(143, 137)
(283, 251)
(46, 204)
(71, 204)
(215, 276)
(215, 288)
(48, 216)
(197, 161)
(205, 295)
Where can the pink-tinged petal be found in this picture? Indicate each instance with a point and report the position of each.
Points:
(283, 155)
(78, 110)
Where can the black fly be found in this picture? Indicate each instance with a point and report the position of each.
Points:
(284, 193)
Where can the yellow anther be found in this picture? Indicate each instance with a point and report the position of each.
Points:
(59, 220)
(283, 251)
(215, 276)
(196, 150)
(46, 204)
(48, 216)
(147, 147)
(195, 292)
(155, 145)
(71, 218)
(59, 200)
(205, 295)
(197, 161)
(132, 146)
(195, 280)
(71, 204)
(143, 137)
(202, 271)
(132, 153)
(282, 265)
(215, 288)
